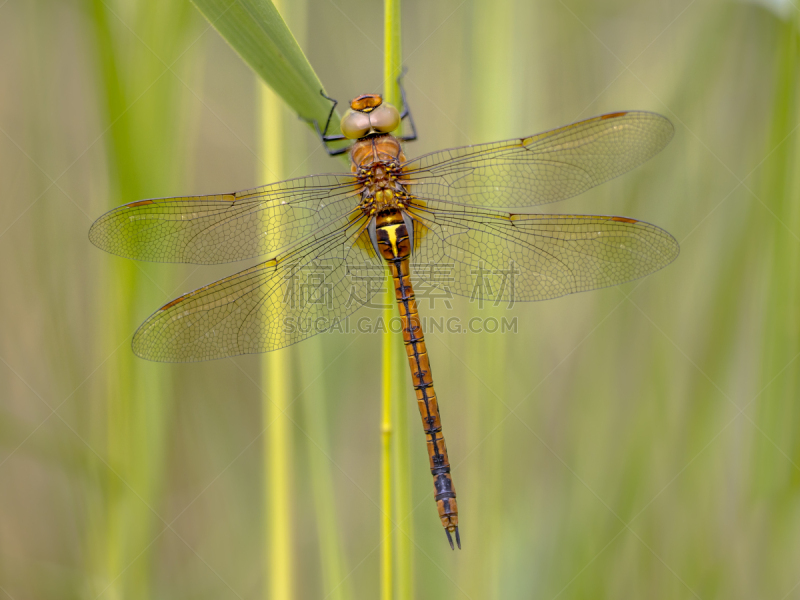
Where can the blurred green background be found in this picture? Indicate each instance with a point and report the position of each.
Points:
(632, 442)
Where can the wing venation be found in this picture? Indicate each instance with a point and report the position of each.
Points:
(225, 227)
(289, 298)
(543, 168)
(507, 258)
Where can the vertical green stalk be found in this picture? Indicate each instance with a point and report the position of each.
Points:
(276, 370)
(110, 552)
(386, 454)
(314, 400)
(402, 484)
(781, 336)
(335, 583)
(392, 51)
(392, 66)
(141, 140)
(493, 75)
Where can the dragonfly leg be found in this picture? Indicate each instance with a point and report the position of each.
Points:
(406, 111)
(323, 134)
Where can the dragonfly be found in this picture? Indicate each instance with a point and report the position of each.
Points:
(466, 207)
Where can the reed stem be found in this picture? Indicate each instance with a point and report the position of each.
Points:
(316, 420)
(276, 369)
(392, 67)
(386, 457)
(402, 488)
(137, 399)
(492, 75)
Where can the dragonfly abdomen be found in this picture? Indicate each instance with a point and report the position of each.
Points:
(393, 240)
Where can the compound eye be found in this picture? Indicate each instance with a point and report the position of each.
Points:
(385, 118)
(355, 124)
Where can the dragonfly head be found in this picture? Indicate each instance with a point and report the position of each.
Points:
(368, 115)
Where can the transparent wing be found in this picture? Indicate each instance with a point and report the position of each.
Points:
(282, 301)
(224, 227)
(502, 257)
(543, 168)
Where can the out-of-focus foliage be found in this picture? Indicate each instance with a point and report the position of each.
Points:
(638, 441)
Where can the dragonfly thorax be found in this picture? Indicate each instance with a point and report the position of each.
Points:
(377, 164)
(385, 199)
(366, 152)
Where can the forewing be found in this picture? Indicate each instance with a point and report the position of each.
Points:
(505, 258)
(269, 306)
(543, 168)
(225, 227)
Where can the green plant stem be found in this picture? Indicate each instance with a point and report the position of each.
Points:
(276, 370)
(391, 68)
(386, 459)
(491, 76)
(335, 583)
(781, 338)
(137, 403)
(392, 51)
(402, 487)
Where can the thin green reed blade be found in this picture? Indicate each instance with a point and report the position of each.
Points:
(393, 375)
(256, 30)
(140, 136)
(391, 70)
(276, 377)
(492, 75)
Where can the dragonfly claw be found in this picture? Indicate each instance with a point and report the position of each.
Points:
(458, 538)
